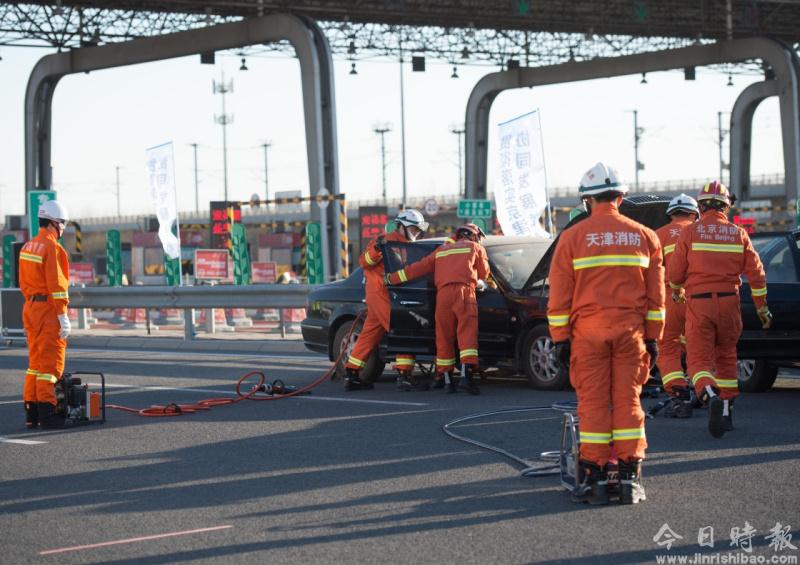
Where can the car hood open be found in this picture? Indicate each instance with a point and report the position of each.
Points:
(647, 209)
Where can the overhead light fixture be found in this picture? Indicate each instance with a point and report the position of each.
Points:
(571, 56)
(512, 64)
(418, 64)
(730, 80)
(353, 70)
(689, 73)
(455, 72)
(207, 58)
(58, 10)
(644, 79)
(351, 49)
(244, 65)
(465, 53)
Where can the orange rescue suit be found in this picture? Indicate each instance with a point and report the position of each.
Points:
(709, 258)
(457, 267)
(44, 281)
(671, 344)
(378, 308)
(607, 296)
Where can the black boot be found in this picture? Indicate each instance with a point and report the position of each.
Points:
(438, 381)
(716, 409)
(727, 414)
(680, 404)
(408, 382)
(353, 382)
(450, 381)
(631, 490)
(48, 419)
(467, 383)
(594, 488)
(31, 415)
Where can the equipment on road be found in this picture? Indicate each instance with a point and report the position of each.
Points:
(77, 403)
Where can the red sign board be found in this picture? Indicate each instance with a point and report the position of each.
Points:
(223, 216)
(210, 264)
(371, 221)
(749, 224)
(263, 272)
(81, 273)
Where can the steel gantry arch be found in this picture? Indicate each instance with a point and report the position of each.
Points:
(779, 57)
(316, 72)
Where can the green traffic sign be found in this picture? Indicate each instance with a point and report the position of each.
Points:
(8, 261)
(35, 199)
(172, 271)
(474, 209)
(113, 258)
(482, 223)
(314, 253)
(241, 257)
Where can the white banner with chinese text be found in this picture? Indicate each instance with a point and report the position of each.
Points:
(520, 190)
(159, 164)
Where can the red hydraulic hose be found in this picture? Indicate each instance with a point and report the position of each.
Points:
(173, 409)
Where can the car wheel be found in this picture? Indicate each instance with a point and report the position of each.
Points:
(374, 367)
(756, 376)
(539, 361)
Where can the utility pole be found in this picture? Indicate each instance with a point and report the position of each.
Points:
(402, 120)
(118, 210)
(382, 130)
(637, 137)
(224, 88)
(196, 182)
(721, 140)
(266, 145)
(459, 131)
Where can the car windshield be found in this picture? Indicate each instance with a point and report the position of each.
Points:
(516, 261)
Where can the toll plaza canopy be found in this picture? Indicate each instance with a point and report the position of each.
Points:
(704, 19)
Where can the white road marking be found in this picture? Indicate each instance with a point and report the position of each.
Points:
(182, 353)
(131, 540)
(233, 393)
(21, 441)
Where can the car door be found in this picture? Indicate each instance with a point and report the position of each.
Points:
(780, 256)
(412, 325)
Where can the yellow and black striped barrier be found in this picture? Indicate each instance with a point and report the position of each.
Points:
(343, 237)
(78, 240)
(303, 256)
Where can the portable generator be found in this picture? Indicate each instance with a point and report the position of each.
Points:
(77, 403)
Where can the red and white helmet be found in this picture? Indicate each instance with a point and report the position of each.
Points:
(471, 229)
(715, 190)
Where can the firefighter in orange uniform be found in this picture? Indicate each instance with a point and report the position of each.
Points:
(410, 225)
(606, 311)
(682, 211)
(704, 270)
(460, 267)
(44, 280)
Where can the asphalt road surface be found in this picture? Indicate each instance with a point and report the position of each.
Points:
(369, 476)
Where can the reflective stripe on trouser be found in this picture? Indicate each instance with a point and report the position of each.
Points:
(608, 366)
(46, 352)
(713, 327)
(671, 348)
(404, 363)
(456, 319)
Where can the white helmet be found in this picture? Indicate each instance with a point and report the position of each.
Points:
(53, 210)
(411, 217)
(683, 203)
(601, 179)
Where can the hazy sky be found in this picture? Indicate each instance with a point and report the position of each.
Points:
(107, 119)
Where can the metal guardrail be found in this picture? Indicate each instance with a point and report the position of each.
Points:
(222, 296)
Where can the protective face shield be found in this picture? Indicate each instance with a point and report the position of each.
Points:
(412, 222)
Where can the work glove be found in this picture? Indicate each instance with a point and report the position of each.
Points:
(379, 243)
(652, 350)
(481, 286)
(678, 296)
(66, 327)
(563, 350)
(765, 316)
(387, 279)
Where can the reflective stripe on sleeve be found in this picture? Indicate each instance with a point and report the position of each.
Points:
(558, 321)
(356, 361)
(718, 247)
(675, 375)
(30, 257)
(594, 437)
(402, 275)
(758, 291)
(45, 377)
(611, 261)
(655, 315)
(456, 251)
(669, 248)
(369, 260)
